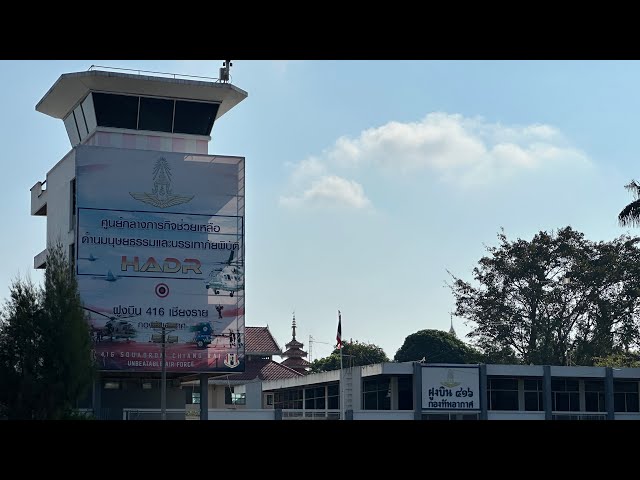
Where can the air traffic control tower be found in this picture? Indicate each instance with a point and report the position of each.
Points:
(154, 229)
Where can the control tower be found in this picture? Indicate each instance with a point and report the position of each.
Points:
(150, 221)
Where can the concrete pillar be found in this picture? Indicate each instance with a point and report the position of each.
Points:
(546, 392)
(417, 391)
(96, 400)
(608, 394)
(204, 396)
(483, 393)
(393, 387)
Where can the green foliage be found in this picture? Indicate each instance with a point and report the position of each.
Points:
(435, 346)
(558, 299)
(46, 361)
(354, 354)
(618, 360)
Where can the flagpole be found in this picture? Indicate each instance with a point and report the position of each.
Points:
(341, 373)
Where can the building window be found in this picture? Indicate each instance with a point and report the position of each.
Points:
(288, 399)
(147, 386)
(594, 396)
(625, 396)
(314, 398)
(117, 111)
(502, 393)
(195, 118)
(112, 385)
(376, 394)
(333, 396)
(155, 114)
(565, 395)
(533, 394)
(72, 205)
(405, 393)
(232, 398)
(269, 399)
(72, 257)
(195, 398)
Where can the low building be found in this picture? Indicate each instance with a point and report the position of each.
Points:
(420, 391)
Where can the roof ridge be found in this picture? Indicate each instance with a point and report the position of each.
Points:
(288, 368)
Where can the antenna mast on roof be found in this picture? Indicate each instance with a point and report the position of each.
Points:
(224, 71)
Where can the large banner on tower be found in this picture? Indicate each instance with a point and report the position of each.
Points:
(160, 238)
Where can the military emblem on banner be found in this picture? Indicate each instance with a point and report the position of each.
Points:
(231, 360)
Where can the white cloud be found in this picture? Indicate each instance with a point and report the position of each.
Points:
(330, 190)
(459, 150)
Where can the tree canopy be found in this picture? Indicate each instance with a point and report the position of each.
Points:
(436, 346)
(46, 362)
(630, 215)
(558, 299)
(353, 353)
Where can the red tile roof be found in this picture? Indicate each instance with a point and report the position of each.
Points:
(263, 370)
(294, 352)
(296, 362)
(259, 341)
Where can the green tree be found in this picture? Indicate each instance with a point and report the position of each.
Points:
(558, 299)
(619, 360)
(630, 215)
(46, 361)
(353, 353)
(436, 346)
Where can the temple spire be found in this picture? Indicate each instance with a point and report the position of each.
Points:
(451, 330)
(293, 326)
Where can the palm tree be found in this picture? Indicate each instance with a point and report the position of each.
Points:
(630, 215)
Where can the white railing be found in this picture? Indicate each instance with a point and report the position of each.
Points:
(140, 72)
(383, 415)
(152, 414)
(579, 416)
(299, 414)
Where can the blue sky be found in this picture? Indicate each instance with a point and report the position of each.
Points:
(368, 180)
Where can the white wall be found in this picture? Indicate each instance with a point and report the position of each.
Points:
(243, 414)
(216, 396)
(383, 414)
(59, 200)
(515, 415)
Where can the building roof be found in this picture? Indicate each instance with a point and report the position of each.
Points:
(296, 362)
(258, 370)
(294, 352)
(259, 341)
(294, 344)
(70, 88)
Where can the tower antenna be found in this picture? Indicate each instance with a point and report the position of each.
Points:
(224, 71)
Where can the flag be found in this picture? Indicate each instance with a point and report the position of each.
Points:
(339, 334)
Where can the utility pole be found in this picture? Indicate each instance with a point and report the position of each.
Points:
(162, 338)
(311, 342)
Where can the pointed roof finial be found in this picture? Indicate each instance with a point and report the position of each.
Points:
(293, 325)
(451, 330)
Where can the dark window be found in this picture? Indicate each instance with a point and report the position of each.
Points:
(195, 118)
(288, 399)
(594, 396)
(533, 394)
(333, 396)
(565, 396)
(376, 394)
(625, 396)
(118, 111)
(502, 393)
(405, 393)
(155, 114)
(72, 257)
